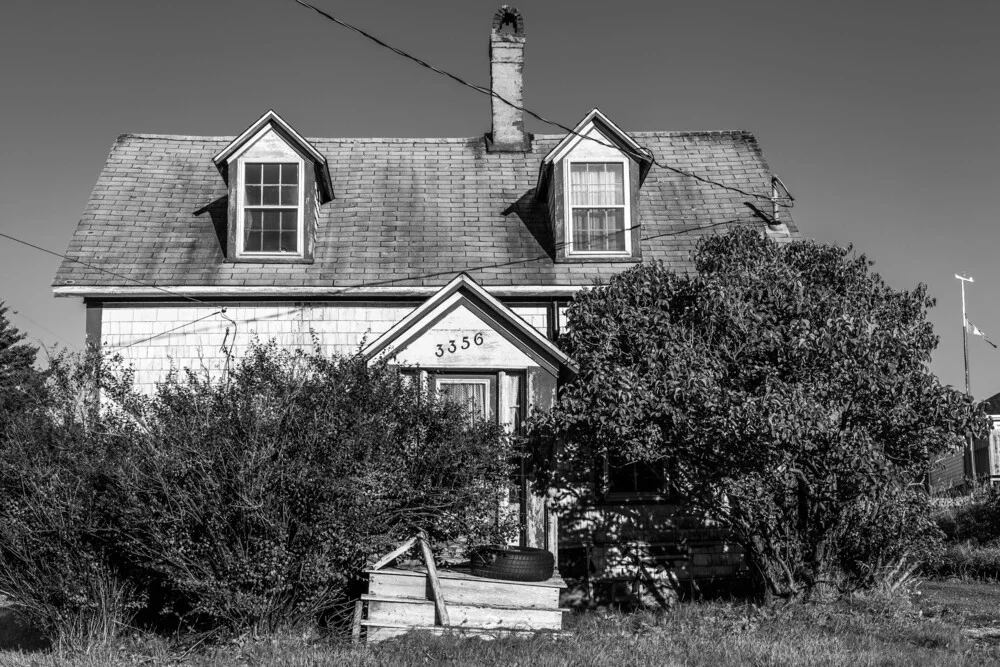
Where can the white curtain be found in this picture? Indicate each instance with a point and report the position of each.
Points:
(597, 184)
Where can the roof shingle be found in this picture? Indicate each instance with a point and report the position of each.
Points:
(408, 212)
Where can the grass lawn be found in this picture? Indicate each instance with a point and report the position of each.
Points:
(946, 623)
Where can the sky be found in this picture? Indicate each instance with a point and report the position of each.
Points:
(879, 116)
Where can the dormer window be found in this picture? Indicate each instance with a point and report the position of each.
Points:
(272, 208)
(277, 182)
(590, 181)
(598, 208)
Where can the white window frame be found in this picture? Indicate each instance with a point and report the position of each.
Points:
(241, 163)
(568, 207)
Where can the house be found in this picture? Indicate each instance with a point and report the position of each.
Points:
(457, 255)
(954, 469)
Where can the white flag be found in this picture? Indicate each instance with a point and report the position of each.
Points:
(977, 332)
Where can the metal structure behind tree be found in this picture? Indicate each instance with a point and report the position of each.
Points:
(968, 389)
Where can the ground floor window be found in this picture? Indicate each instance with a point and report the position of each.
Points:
(633, 480)
(475, 394)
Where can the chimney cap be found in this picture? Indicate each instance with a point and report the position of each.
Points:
(508, 15)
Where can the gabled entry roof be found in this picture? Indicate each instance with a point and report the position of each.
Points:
(464, 291)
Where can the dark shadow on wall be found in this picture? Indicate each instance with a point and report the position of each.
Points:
(218, 212)
(633, 549)
(535, 216)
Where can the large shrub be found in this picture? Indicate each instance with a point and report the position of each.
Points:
(259, 500)
(783, 387)
(250, 502)
(54, 555)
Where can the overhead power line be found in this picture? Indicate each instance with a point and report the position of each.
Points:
(103, 270)
(222, 311)
(491, 93)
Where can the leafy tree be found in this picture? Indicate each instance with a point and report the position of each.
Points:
(21, 384)
(785, 389)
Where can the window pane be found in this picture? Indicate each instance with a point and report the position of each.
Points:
(253, 173)
(598, 229)
(289, 195)
(251, 235)
(290, 174)
(270, 195)
(471, 395)
(253, 195)
(271, 230)
(639, 477)
(271, 173)
(597, 184)
(271, 242)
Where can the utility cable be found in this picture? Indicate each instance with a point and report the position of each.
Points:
(17, 311)
(221, 311)
(347, 288)
(103, 270)
(491, 93)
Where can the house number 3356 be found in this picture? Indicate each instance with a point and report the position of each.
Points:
(454, 345)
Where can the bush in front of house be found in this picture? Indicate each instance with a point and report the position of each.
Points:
(971, 525)
(249, 504)
(783, 388)
(977, 519)
(256, 502)
(888, 536)
(54, 553)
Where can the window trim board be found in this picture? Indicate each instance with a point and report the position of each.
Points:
(241, 206)
(567, 225)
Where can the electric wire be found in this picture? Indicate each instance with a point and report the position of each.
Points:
(491, 93)
(18, 313)
(119, 348)
(335, 290)
(103, 270)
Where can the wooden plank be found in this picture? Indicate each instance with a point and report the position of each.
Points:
(376, 632)
(463, 590)
(439, 606)
(402, 613)
(463, 573)
(390, 584)
(394, 554)
(465, 616)
(356, 624)
(369, 597)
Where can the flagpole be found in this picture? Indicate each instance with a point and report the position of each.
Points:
(965, 351)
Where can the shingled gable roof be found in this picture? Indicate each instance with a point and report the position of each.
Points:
(464, 291)
(409, 215)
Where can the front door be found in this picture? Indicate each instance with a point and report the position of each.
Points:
(496, 397)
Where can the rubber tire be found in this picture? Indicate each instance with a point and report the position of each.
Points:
(512, 563)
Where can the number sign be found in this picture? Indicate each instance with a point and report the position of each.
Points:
(454, 346)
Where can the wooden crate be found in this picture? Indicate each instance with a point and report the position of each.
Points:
(401, 600)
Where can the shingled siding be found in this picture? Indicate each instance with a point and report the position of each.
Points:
(153, 338)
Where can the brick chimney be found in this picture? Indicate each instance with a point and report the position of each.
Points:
(506, 80)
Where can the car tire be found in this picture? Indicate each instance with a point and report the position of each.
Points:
(512, 563)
